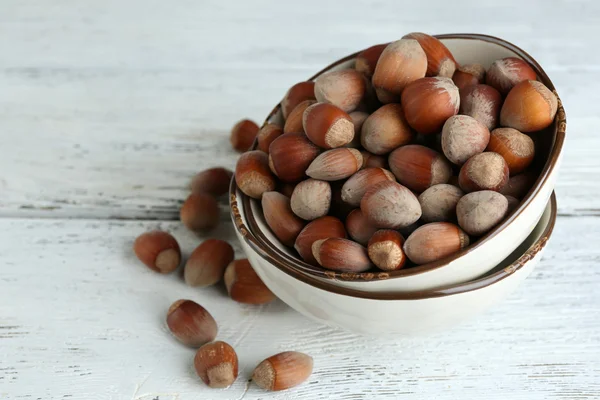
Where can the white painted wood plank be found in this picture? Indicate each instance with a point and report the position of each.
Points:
(81, 318)
(107, 109)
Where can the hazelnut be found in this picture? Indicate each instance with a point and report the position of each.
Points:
(429, 102)
(327, 126)
(206, 265)
(400, 63)
(321, 228)
(213, 181)
(158, 250)
(280, 218)
(283, 371)
(356, 186)
(438, 203)
(311, 199)
(367, 59)
(344, 89)
(463, 137)
(390, 205)
(359, 227)
(418, 167)
(216, 364)
(293, 123)
(483, 103)
(296, 95)
(385, 130)
(243, 135)
(335, 164)
(485, 171)
(341, 255)
(518, 185)
(513, 203)
(504, 74)
(266, 135)
(200, 212)
(244, 285)
(286, 189)
(252, 174)
(468, 75)
(290, 155)
(191, 324)
(385, 250)
(478, 212)
(516, 148)
(358, 119)
(440, 61)
(370, 160)
(434, 241)
(529, 106)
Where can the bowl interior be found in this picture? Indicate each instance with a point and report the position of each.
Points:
(467, 49)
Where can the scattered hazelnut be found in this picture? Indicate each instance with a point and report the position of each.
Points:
(216, 364)
(478, 212)
(440, 61)
(341, 255)
(529, 106)
(206, 265)
(266, 135)
(244, 285)
(321, 228)
(504, 74)
(295, 95)
(344, 89)
(485, 171)
(390, 205)
(335, 164)
(191, 324)
(367, 59)
(213, 181)
(418, 167)
(280, 218)
(252, 174)
(468, 75)
(434, 241)
(359, 227)
(438, 203)
(290, 155)
(200, 212)
(283, 371)
(463, 137)
(385, 250)
(327, 126)
(516, 148)
(293, 123)
(311, 199)
(158, 250)
(483, 103)
(385, 130)
(243, 135)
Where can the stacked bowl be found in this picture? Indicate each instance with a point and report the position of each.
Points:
(426, 297)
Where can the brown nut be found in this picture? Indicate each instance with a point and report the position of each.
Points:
(321, 228)
(158, 250)
(293, 123)
(200, 212)
(516, 148)
(216, 364)
(529, 106)
(191, 323)
(356, 186)
(463, 137)
(243, 135)
(400, 63)
(213, 181)
(359, 227)
(335, 164)
(513, 203)
(434, 241)
(418, 167)
(327, 126)
(252, 174)
(206, 265)
(385, 250)
(341, 255)
(358, 119)
(390, 205)
(311, 199)
(385, 130)
(244, 285)
(344, 89)
(367, 59)
(483, 103)
(519, 185)
(485, 171)
(371, 160)
(290, 155)
(468, 75)
(478, 212)
(266, 135)
(295, 95)
(438, 203)
(283, 371)
(440, 61)
(279, 216)
(504, 74)
(286, 189)
(429, 102)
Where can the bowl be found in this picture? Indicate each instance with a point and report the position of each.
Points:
(383, 313)
(487, 252)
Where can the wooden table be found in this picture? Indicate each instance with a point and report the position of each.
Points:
(107, 108)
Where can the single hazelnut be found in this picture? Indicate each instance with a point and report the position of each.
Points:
(206, 265)
(485, 171)
(290, 155)
(478, 212)
(385, 130)
(252, 174)
(483, 103)
(440, 61)
(515, 147)
(367, 59)
(321, 228)
(283, 371)
(213, 181)
(356, 186)
(385, 250)
(200, 212)
(504, 74)
(434, 241)
(327, 126)
(359, 227)
(244, 285)
(293, 123)
(344, 89)
(463, 137)
(243, 135)
(279, 216)
(468, 75)
(390, 205)
(295, 95)
(266, 135)
(418, 167)
(529, 106)
(216, 364)
(341, 255)
(311, 199)
(191, 323)
(158, 250)
(438, 203)
(335, 164)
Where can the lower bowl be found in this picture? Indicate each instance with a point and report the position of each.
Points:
(394, 313)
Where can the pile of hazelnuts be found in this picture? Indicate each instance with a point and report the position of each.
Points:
(406, 144)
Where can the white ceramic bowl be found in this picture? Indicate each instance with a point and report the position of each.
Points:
(393, 313)
(482, 256)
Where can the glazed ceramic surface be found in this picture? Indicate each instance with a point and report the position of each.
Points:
(487, 252)
(392, 313)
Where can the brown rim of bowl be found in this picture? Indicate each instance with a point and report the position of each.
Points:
(284, 266)
(559, 126)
